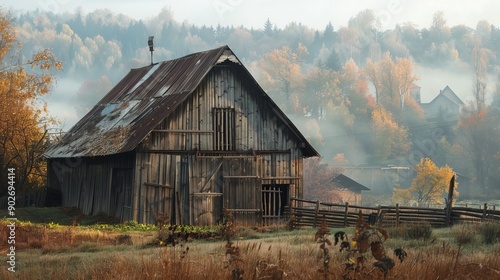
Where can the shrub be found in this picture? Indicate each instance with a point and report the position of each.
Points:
(490, 232)
(464, 233)
(418, 231)
(397, 232)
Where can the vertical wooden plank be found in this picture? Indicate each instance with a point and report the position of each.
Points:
(316, 214)
(397, 214)
(136, 187)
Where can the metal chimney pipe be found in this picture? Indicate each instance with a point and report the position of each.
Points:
(150, 44)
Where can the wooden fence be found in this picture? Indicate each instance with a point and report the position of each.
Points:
(39, 198)
(311, 213)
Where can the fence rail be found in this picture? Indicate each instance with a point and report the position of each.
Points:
(312, 213)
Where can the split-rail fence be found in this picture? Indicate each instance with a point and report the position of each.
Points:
(307, 213)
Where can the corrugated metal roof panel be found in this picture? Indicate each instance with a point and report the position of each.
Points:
(139, 102)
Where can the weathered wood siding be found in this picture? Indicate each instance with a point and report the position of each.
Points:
(156, 176)
(95, 185)
(179, 154)
(257, 125)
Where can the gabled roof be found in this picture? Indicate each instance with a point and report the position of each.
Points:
(449, 94)
(142, 99)
(349, 183)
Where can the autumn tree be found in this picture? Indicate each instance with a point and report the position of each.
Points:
(281, 70)
(428, 186)
(439, 47)
(373, 75)
(391, 140)
(355, 91)
(358, 39)
(321, 87)
(392, 80)
(23, 115)
(479, 122)
(480, 131)
(480, 58)
(317, 176)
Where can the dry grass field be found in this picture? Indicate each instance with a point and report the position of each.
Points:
(53, 251)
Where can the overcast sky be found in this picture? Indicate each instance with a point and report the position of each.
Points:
(313, 13)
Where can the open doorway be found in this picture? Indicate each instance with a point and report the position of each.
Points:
(274, 201)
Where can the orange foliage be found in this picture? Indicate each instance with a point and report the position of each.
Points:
(317, 176)
(24, 116)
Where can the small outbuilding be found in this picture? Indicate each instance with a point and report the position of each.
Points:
(179, 141)
(348, 190)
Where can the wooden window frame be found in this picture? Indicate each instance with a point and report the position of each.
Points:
(224, 127)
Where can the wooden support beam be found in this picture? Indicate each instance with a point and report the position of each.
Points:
(211, 177)
(241, 177)
(224, 156)
(157, 185)
(280, 178)
(182, 131)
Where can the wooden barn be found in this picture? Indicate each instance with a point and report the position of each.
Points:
(177, 142)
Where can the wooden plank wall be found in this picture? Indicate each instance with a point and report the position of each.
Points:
(190, 127)
(154, 187)
(86, 182)
(207, 209)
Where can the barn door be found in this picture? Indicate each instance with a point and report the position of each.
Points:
(241, 190)
(120, 200)
(207, 198)
(274, 201)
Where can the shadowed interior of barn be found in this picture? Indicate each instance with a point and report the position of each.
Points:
(181, 140)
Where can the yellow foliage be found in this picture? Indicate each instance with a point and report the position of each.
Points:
(429, 185)
(392, 140)
(23, 116)
(282, 73)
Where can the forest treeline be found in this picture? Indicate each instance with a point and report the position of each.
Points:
(346, 87)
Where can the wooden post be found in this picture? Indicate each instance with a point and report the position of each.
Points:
(449, 201)
(379, 215)
(345, 213)
(484, 210)
(316, 214)
(178, 198)
(397, 214)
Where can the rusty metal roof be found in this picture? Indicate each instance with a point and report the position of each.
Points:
(140, 101)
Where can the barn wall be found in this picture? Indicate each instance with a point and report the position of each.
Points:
(179, 155)
(157, 176)
(94, 185)
(257, 124)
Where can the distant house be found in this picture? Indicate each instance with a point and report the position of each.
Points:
(182, 139)
(347, 189)
(446, 104)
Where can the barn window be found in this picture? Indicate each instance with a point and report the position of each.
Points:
(224, 129)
